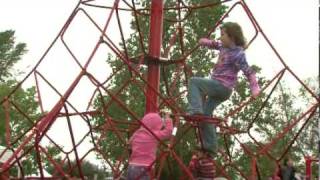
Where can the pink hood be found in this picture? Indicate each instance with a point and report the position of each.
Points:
(152, 121)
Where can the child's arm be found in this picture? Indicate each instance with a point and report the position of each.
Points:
(254, 86)
(210, 43)
(166, 132)
(250, 74)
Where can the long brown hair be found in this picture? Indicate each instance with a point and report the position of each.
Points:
(234, 31)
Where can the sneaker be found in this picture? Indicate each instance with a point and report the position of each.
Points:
(191, 113)
(197, 114)
(197, 117)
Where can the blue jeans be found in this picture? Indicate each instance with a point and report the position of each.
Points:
(204, 95)
(138, 173)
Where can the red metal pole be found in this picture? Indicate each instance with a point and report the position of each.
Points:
(254, 168)
(308, 167)
(7, 116)
(156, 22)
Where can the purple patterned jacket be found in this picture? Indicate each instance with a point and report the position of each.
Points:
(230, 62)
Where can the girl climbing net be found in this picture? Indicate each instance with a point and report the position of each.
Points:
(224, 75)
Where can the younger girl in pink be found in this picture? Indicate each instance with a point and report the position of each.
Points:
(144, 145)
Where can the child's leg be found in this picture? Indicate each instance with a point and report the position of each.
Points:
(199, 87)
(137, 173)
(195, 95)
(217, 95)
(208, 136)
(208, 130)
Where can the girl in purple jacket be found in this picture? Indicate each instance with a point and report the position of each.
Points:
(144, 145)
(224, 75)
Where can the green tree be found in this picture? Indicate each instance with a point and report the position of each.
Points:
(18, 104)
(10, 54)
(197, 24)
(89, 170)
(277, 111)
(310, 135)
(14, 100)
(281, 109)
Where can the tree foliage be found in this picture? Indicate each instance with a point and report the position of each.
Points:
(89, 170)
(278, 110)
(196, 25)
(10, 53)
(19, 107)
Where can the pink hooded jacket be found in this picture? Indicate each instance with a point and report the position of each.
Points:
(144, 144)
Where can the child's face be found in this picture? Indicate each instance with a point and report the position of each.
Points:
(199, 154)
(225, 39)
(290, 163)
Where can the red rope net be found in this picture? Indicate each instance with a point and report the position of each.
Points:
(65, 104)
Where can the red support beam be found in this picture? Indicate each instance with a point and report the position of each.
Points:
(309, 161)
(156, 22)
(308, 167)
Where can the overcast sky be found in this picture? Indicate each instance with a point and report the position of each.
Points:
(290, 25)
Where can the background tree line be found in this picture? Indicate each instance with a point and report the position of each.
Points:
(279, 110)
